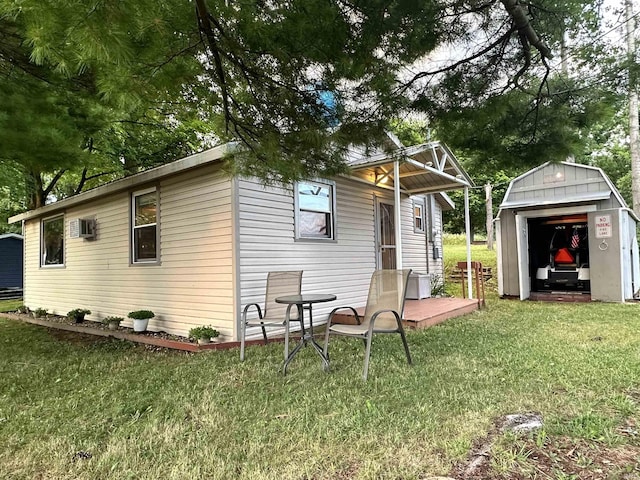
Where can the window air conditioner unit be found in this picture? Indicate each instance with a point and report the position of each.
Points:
(82, 228)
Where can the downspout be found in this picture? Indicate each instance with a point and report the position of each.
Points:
(467, 228)
(398, 225)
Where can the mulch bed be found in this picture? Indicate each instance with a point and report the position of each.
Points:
(152, 339)
(87, 327)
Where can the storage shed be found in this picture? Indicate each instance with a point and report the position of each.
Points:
(10, 261)
(564, 231)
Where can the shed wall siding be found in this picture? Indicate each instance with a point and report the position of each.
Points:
(10, 262)
(511, 284)
(191, 286)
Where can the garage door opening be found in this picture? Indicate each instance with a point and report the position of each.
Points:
(559, 254)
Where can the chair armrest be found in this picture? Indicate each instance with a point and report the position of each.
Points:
(333, 312)
(246, 310)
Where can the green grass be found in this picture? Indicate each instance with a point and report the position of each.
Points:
(9, 305)
(145, 414)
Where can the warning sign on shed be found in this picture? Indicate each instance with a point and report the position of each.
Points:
(603, 226)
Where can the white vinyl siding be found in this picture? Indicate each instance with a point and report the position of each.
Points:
(267, 242)
(192, 286)
(417, 247)
(414, 244)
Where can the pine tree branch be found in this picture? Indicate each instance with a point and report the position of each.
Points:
(516, 11)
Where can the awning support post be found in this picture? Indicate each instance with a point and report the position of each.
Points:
(396, 213)
(467, 228)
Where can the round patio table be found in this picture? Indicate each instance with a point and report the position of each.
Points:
(304, 302)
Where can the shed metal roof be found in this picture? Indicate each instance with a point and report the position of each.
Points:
(559, 183)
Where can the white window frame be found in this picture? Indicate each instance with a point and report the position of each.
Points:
(417, 203)
(332, 213)
(42, 244)
(133, 227)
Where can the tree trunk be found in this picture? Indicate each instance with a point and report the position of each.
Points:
(634, 147)
(489, 209)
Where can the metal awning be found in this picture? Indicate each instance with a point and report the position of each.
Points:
(426, 168)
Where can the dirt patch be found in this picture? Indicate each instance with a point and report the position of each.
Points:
(556, 458)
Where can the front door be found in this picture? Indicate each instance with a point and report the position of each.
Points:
(386, 236)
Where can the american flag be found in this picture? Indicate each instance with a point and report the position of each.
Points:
(575, 239)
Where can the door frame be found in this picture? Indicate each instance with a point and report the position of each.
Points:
(378, 233)
(522, 239)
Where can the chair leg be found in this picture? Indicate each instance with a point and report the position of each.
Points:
(264, 334)
(325, 350)
(367, 354)
(243, 330)
(286, 339)
(406, 346)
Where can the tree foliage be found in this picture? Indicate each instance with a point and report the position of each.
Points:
(100, 89)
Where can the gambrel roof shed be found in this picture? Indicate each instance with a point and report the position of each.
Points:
(564, 231)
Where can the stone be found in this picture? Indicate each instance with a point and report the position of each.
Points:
(522, 422)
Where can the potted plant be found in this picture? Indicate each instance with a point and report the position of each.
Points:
(203, 334)
(39, 313)
(140, 319)
(77, 314)
(112, 322)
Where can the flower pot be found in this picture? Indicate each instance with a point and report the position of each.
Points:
(140, 325)
(77, 319)
(204, 341)
(113, 325)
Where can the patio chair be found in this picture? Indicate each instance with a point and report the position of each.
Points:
(383, 313)
(273, 314)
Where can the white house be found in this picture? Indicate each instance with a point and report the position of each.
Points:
(195, 246)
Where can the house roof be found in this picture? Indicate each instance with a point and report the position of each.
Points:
(184, 164)
(426, 168)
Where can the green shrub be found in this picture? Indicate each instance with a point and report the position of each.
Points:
(77, 314)
(206, 331)
(108, 320)
(141, 314)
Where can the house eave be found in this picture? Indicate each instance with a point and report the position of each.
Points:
(208, 156)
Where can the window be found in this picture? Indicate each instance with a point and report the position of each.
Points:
(418, 217)
(315, 209)
(144, 228)
(52, 242)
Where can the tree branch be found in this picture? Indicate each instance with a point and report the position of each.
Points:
(522, 23)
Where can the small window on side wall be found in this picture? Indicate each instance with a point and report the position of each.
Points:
(418, 217)
(315, 210)
(52, 242)
(144, 226)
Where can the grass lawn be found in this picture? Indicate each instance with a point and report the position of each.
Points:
(75, 407)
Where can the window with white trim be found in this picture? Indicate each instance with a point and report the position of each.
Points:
(52, 242)
(418, 217)
(144, 226)
(315, 210)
